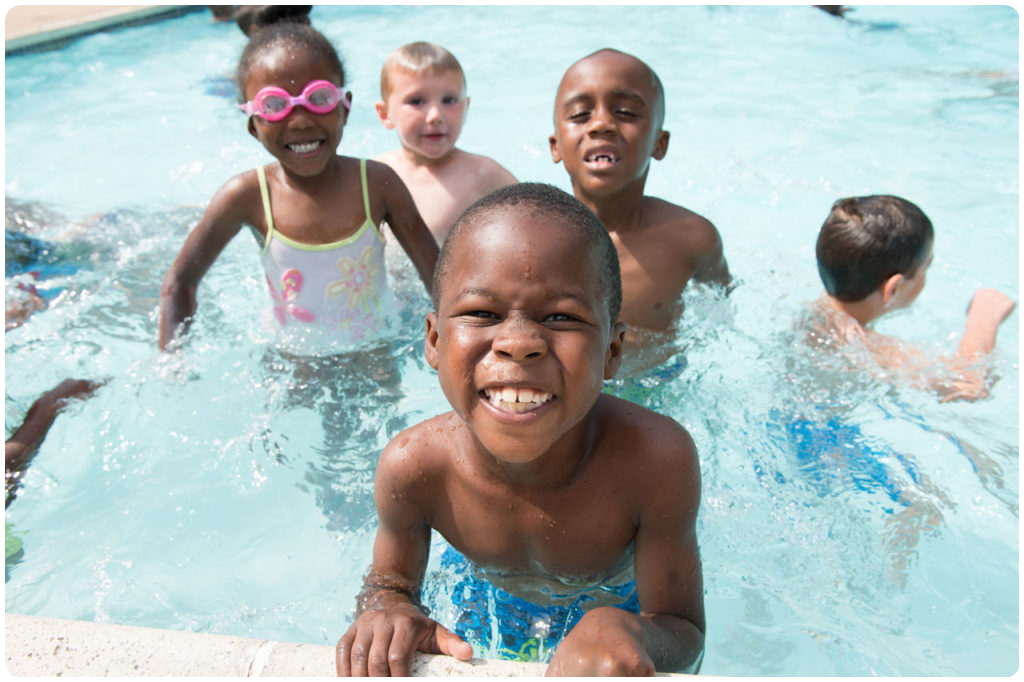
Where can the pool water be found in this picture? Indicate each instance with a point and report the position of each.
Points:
(849, 526)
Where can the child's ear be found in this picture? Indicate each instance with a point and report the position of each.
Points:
(252, 128)
(430, 340)
(890, 287)
(382, 114)
(556, 154)
(660, 146)
(613, 356)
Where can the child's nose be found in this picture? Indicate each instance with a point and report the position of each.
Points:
(519, 340)
(433, 113)
(601, 120)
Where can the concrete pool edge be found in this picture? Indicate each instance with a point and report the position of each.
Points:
(45, 647)
(53, 27)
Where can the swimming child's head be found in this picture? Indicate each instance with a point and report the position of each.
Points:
(523, 333)
(867, 240)
(251, 18)
(571, 217)
(609, 115)
(423, 97)
(290, 80)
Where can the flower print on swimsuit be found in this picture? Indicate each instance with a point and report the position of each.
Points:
(291, 285)
(358, 282)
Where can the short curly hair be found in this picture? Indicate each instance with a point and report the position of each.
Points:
(575, 217)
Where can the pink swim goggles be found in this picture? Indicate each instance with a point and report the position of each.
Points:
(273, 103)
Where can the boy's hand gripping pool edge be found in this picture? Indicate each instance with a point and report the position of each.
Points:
(384, 638)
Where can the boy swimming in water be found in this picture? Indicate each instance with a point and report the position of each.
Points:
(544, 483)
(873, 254)
(423, 98)
(609, 113)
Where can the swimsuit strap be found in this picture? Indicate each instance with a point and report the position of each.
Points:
(261, 173)
(366, 198)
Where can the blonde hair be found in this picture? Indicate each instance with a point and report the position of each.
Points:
(416, 58)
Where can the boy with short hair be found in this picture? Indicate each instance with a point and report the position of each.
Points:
(608, 116)
(544, 483)
(873, 254)
(423, 98)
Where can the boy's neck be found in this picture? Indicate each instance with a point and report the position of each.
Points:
(618, 211)
(864, 311)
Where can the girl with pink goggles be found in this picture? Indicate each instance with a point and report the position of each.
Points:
(273, 103)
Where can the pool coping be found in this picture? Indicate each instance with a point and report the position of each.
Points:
(45, 33)
(46, 647)
(35, 646)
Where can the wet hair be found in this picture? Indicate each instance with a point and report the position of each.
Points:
(251, 18)
(416, 58)
(291, 33)
(658, 106)
(866, 240)
(574, 217)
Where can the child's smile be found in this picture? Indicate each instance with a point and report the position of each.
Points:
(304, 142)
(521, 339)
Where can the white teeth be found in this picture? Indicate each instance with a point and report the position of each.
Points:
(517, 400)
(305, 148)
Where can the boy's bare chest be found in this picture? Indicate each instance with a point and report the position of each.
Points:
(653, 280)
(577, 533)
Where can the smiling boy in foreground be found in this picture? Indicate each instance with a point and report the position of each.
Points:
(544, 483)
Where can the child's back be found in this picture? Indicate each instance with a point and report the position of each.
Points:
(423, 98)
(609, 112)
(873, 255)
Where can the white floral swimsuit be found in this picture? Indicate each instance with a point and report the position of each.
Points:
(334, 294)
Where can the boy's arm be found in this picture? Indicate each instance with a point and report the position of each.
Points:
(405, 221)
(221, 221)
(988, 309)
(710, 265)
(960, 376)
(390, 624)
(668, 633)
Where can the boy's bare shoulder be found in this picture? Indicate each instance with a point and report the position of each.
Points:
(421, 450)
(681, 224)
(488, 172)
(644, 435)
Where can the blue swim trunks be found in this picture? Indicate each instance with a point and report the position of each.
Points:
(505, 626)
(835, 456)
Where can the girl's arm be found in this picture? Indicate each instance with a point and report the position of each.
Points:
(228, 210)
(405, 221)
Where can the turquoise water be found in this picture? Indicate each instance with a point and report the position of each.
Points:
(223, 489)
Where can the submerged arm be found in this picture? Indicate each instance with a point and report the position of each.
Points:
(221, 222)
(405, 221)
(21, 447)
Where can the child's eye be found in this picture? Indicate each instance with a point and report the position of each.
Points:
(626, 113)
(450, 99)
(480, 314)
(414, 101)
(561, 317)
(578, 116)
